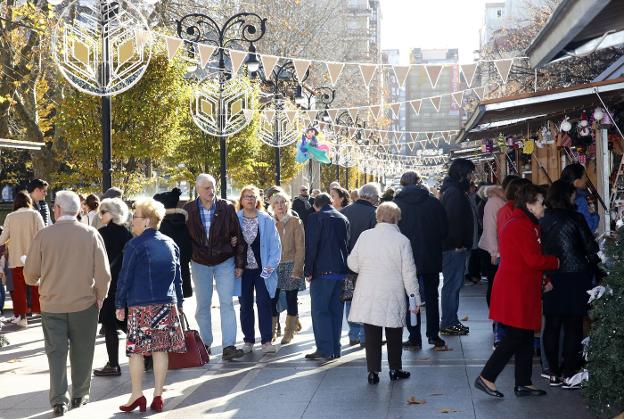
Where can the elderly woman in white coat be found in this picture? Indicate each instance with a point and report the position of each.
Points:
(384, 262)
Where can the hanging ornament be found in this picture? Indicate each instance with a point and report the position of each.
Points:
(598, 114)
(565, 125)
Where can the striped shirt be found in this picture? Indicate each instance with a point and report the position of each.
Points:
(206, 216)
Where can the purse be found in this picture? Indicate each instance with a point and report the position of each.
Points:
(196, 354)
(348, 286)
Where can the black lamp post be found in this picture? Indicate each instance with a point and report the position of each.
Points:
(243, 28)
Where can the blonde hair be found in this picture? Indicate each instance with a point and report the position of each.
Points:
(151, 210)
(388, 212)
(256, 192)
(277, 196)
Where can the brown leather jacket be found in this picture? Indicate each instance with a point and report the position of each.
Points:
(217, 248)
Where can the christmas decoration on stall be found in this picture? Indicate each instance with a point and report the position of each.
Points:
(312, 147)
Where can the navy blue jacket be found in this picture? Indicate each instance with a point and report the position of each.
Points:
(150, 272)
(327, 243)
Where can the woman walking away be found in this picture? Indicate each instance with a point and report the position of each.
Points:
(113, 214)
(565, 234)
(290, 270)
(383, 259)
(516, 295)
(20, 227)
(150, 285)
(263, 257)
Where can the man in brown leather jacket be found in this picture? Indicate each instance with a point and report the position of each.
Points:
(219, 254)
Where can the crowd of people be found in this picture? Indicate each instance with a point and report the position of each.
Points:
(376, 258)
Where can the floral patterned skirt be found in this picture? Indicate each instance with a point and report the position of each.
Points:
(154, 328)
(285, 281)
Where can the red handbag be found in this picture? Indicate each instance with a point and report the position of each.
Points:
(196, 354)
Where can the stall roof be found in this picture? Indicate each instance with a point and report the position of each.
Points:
(509, 113)
(26, 145)
(578, 27)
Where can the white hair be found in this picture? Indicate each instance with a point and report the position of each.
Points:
(370, 192)
(205, 177)
(117, 208)
(68, 202)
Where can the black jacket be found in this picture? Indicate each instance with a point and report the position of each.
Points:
(458, 214)
(423, 222)
(174, 226)
(115, 238)
(302, 206)
(565, 234)
(361, 216)
(327, 243)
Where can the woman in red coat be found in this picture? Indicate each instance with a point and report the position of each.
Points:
(516, 296)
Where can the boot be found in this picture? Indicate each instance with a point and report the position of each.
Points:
(289, 330)
(298, 328)
(275, 326)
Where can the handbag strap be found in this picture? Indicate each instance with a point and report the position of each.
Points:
(184, 322)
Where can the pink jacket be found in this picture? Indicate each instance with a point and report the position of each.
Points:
(489, 237)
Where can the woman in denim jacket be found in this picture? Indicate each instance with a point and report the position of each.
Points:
(150, 285)
(263, 255)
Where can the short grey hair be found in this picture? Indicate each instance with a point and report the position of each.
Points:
(205, 177)
(68, 202)
(117, 208)
(388, 212)
(370, 192)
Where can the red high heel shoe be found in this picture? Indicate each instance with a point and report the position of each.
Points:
(141, 402)
(157, 404)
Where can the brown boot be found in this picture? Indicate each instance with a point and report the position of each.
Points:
(275, 326)
(298, 328)
(289, 330)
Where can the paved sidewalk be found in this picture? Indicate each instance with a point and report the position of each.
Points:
(285, 385)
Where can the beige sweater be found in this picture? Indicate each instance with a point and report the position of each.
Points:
(293, 243)
(19, 229)
(69, 263)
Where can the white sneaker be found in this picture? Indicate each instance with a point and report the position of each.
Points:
(22, 322)
(269, 348)
(248, 347)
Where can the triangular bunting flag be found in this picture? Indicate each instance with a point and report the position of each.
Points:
(290, 115)
(397, 136)
(436, 142)
(469, 71)
(322, 126)
(205, 52)
(384, 135)
(411, 146)
(433, 72)
(436, 101)
(142, 38)
(353, 113)
(458, 97)
(429, 135)
(268, 64)
(248, 114)
(301, 66)
(413, 136)
(173, 44)
(479, 91)
(423, 144)
(396, 109)
(446, 135)
(375, 110)
(332, 114)
(351, 132)
(334, 70)
(368, 71)
(311, 115)
(504, 68)
(401, 72)
(269, 115)
(416, 104)
(237, 58)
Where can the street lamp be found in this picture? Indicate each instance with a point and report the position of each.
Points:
(243, 27)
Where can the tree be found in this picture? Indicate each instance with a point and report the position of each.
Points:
(606, 346)
(148, 126)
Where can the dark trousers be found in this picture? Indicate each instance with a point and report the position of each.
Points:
(430, 284)
(572, 337)
(110, 325)
(373, 347)
(291, 302)
(327, 311)
(251, 279)
(519, 344)
(490, 272)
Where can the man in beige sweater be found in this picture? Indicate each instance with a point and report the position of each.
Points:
(68, 262)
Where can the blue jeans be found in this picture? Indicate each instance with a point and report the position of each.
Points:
(223, 275)
(2, 297)
(327, 311)
(251, 279)
(356, 330)
(453, 269)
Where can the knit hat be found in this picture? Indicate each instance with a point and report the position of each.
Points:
(169, 199)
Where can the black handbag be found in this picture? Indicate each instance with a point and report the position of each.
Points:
(348, 287)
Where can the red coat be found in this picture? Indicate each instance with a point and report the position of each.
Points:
(517, 291)
(503, 214)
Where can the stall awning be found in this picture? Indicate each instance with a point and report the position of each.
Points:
(576, 28)
(510, 114)
(25, 145)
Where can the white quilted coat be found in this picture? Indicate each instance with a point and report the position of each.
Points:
(384, 261)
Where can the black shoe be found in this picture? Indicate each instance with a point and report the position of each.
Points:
(463, 327)
(555, 381)
(398, 375)
(59, 410)
(437, 341)
(454, 331)
(412, 346)
(76, 402)
(232, 352)
(107, 371)
(373, 378)
(353, 342)
(480, 385)
(524, 391)
(316, 355)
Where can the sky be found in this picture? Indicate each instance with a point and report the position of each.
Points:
(407, 24)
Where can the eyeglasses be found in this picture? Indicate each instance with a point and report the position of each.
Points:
(134, 217)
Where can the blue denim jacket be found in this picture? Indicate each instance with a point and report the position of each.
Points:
(150, 272)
